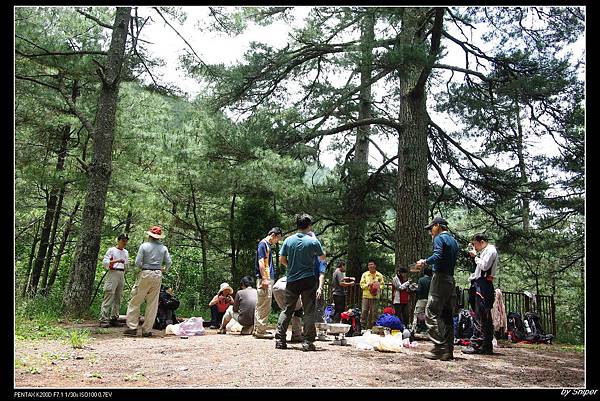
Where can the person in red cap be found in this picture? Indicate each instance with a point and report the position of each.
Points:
(150, 258)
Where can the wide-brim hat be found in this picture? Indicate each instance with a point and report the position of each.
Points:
(225, 286)
(436, 220)
(155, 232)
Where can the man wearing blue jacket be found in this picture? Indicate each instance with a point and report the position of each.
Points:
(442, 295)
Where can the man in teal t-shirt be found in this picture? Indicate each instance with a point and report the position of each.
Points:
(298, 254)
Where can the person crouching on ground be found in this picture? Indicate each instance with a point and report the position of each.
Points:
(219, 304)
(242, 310)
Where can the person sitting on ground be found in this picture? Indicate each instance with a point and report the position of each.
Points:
(242, 310)
(167, 304)
(219, 304)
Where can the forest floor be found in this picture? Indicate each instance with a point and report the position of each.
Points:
(110, 360)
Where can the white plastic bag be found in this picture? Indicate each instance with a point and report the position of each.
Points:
(191, 327)
(390, 344)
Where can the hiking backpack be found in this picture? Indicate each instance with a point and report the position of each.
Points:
(328, 314)
(465, 324)
(352, 317)
(537, 332)
(516, 329)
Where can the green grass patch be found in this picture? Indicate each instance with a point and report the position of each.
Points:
(79, 338)
(35, 329)
(558, 347)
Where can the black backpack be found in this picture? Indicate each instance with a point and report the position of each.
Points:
(537, 331)
(165, 315)
(465, 324)
(516, 328)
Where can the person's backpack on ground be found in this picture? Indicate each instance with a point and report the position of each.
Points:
(352, 317)
(328, 314)
(528, 330)
(536, 331)
(167, 304)
(391, 321)
(465, 324)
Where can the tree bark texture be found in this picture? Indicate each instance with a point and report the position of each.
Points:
(412, 241)
(51, 217)
(27, 278)
(61, 248)
(359, 166)
(78, 293)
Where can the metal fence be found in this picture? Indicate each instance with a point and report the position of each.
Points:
(543, 305)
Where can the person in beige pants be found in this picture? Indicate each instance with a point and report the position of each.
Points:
(150, 259)
(115, 260)
(265, 278)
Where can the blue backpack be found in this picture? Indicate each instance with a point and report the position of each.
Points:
(329, 312)
(391, 321)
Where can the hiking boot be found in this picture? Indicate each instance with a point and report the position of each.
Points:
(439, 353)
(213, 327)
(296, 339)
(280, 344)
(222, 331)
(477, 350)
(130, 332)
(146, 334)
(471, 350)
(308, 346)
(104, 325)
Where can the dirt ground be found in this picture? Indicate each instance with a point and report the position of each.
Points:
(111, 360)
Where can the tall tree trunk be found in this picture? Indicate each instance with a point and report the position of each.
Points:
(49, 254)
(27, 278)
(78, 293)
(61, 248)
(204, 247)
(128, 221)
(523, 179)
(51, 218)
(359, 167)
(412, 241)
(232, 241)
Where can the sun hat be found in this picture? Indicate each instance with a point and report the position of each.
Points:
(155, 232)
(225, 286)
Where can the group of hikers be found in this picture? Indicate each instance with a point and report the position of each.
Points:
(300, 296)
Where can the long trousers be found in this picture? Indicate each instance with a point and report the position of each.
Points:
(438, 312)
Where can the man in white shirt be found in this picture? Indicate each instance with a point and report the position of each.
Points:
(115, 260)
(485, 257)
